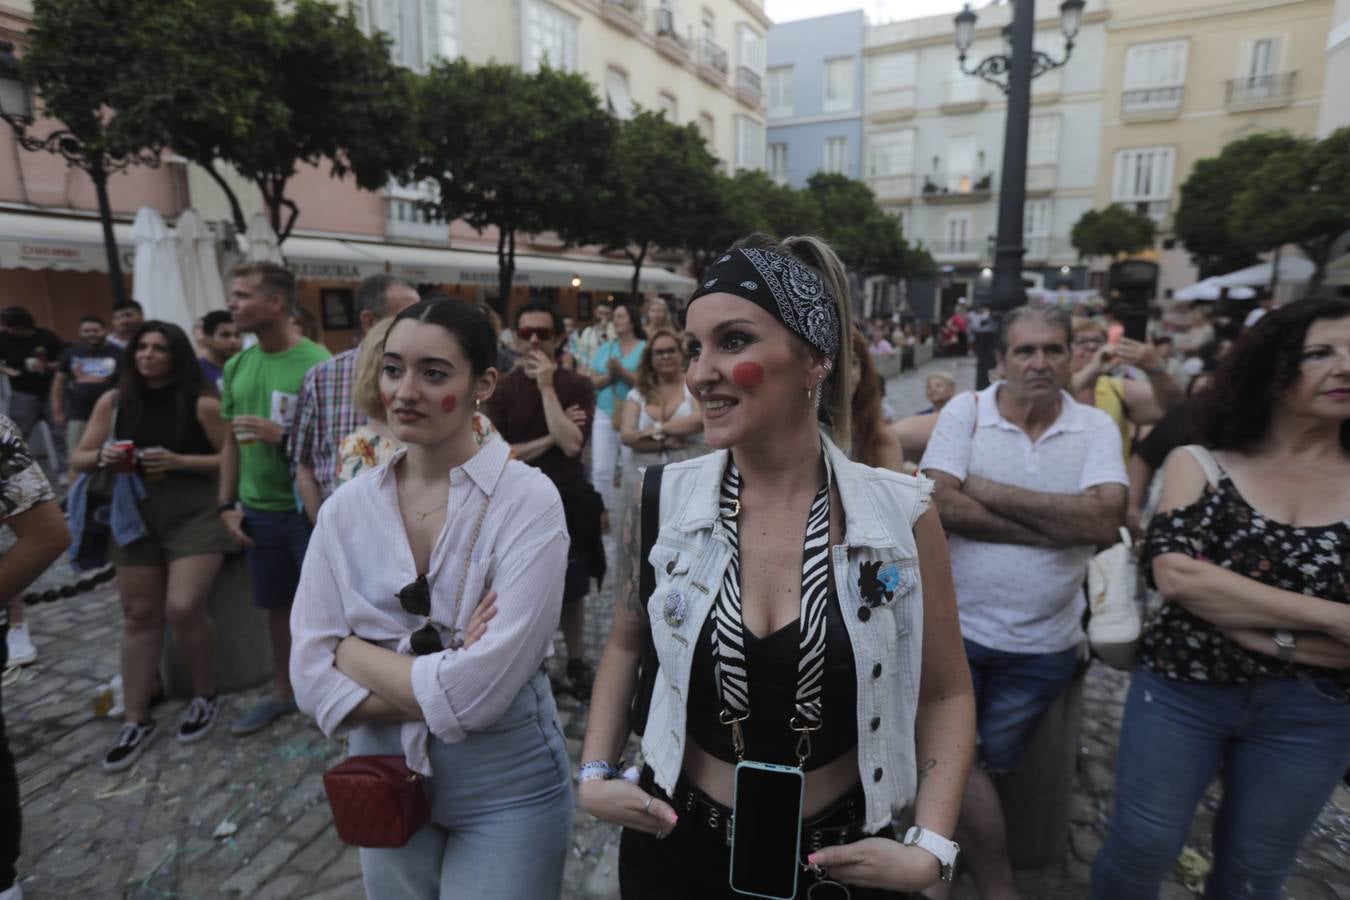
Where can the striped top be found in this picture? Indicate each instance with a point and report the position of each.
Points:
(359, 558)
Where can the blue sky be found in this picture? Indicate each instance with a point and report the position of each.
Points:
(877, 10)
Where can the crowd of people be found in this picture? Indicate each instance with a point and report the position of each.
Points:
(899, 601)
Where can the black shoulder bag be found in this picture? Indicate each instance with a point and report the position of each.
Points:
(641, 704)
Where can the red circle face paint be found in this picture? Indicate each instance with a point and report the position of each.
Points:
(448, 403)
(747, 375)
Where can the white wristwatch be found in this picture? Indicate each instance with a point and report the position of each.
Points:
(946, 851)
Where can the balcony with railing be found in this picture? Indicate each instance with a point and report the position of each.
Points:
(712, 61)
(749, 85)
(971, 187)
(1259, 91)
(1151, 104)
(962, 95)
(673, 38)
(627, 15)
(892, 104)
(961, 249)
(890, 188)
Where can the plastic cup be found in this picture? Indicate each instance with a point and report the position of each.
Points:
(128, 461)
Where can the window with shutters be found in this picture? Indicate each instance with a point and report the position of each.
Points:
(749, 48)
(780, 99)
(838, 93)
(1043, 141)
(956, 231)
(1261, 73)
(1154, 76)
(893, 70)
(891, 153)
(749, 143)
(1143, 180)
(707, 126)
(1036, 226)
(778, 162)
(420, 31)
(550, 34)
(618, 99)
(962, 154)
(668, 104)
(836, 155)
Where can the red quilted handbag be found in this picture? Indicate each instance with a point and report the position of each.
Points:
(377, 801)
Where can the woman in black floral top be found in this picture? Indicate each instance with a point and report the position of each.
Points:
(1246, 668)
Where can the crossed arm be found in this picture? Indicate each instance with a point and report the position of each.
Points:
(1002, 514)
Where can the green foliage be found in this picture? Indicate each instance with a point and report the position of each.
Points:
(513, 151)
(866, 239)
(1113, 231)
(753, 202)
(241, 83)
(1300, 195)
(662, 189)
(1202, 220)
(76, 47)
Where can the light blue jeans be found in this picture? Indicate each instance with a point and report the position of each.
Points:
(1279, 747)
(501, 808)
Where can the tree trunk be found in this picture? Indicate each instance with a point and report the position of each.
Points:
(637, 270)
(100, 177)
(236, 211)
(1274, 272)
(1319, 256)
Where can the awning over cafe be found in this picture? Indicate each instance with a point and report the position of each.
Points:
(63, 243)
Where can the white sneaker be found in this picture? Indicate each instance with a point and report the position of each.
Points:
(12, 893)
(21, 653)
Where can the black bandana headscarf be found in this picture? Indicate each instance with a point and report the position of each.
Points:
(792, 293)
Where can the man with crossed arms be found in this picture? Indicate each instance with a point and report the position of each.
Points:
(1029, 483)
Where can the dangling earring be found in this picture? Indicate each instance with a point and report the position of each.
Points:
(477, 404)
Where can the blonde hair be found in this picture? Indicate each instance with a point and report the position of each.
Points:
(366, 381)
(835, 393)
(1084, 324)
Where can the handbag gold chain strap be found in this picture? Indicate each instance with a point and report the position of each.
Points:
(456, 641)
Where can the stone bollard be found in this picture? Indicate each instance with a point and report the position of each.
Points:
(1036, 795)
(243, 645)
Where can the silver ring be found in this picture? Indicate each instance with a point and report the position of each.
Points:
(648, 807)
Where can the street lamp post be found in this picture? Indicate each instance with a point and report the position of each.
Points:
(16, 108)
(1012, 72)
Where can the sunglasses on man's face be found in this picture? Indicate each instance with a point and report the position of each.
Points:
(544, 334)
(415, 599)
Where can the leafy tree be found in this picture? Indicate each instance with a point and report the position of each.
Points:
(752, 202)
(1301, 196)
(1203, 217)
(513, 151)
(661, 190)
(1113, 231)
(239, 85)
(865, 238)
(75, 48)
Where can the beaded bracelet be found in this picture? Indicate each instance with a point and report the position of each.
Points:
(596, 770)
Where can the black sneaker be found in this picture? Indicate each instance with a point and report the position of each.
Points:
(580, 677)
(131, 741)
(198, 720)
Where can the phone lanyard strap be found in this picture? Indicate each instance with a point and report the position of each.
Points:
(728, 637)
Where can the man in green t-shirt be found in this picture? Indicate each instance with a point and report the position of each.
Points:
(257, 498)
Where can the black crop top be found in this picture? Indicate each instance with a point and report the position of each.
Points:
(159, 425)
(771, 663)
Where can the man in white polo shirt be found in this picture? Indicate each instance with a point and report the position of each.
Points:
(1029, 482)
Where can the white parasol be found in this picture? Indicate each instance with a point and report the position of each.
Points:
(1210, 289)
(157, 279)
(203, 288)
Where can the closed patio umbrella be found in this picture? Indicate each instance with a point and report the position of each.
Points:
(203, 288)
(156, 277)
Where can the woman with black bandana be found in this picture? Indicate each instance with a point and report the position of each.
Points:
(802, 615)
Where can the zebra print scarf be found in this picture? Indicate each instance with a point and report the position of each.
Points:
(728, 638)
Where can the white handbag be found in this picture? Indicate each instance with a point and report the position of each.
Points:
(1115, 621)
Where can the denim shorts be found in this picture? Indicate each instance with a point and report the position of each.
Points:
(1012, 692)
(280, 540)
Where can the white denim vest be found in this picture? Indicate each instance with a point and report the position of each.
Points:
(689, 556)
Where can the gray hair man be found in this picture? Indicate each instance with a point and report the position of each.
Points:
(327, 413)
(1029, 481)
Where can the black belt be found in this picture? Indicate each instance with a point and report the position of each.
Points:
(711, 819)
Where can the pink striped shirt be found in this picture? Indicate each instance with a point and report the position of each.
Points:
(359, 558)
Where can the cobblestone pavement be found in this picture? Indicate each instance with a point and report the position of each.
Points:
(148, 832)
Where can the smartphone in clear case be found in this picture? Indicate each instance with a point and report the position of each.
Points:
(766, 830)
